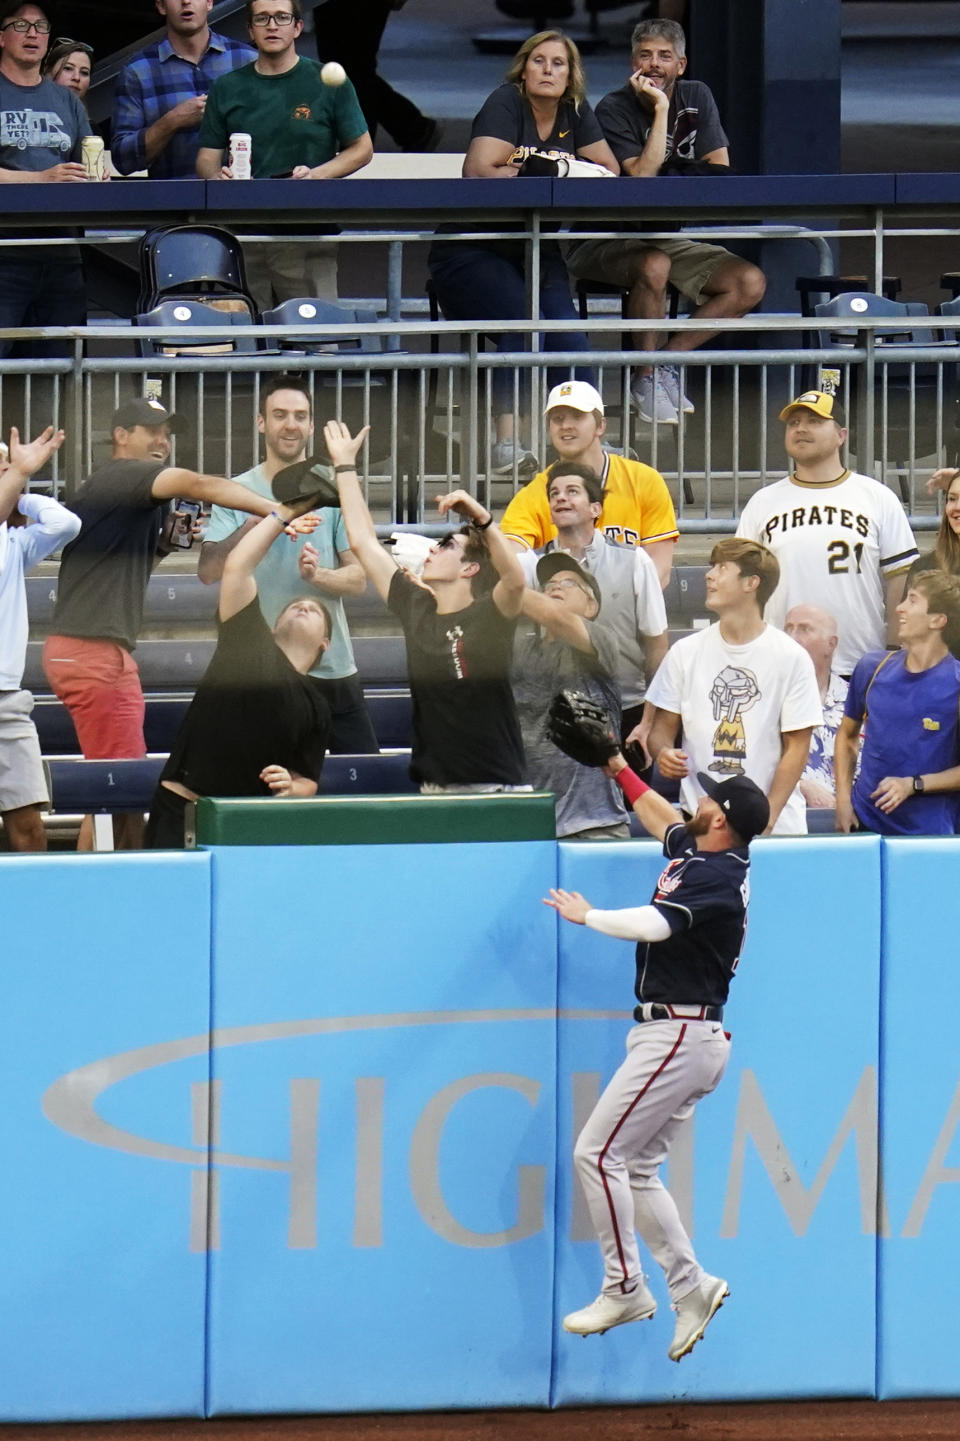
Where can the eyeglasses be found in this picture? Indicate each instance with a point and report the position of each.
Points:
(69, 44)
(570, 584)
(42, 27)
(281, 20)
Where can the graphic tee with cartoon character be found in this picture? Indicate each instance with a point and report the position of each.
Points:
(735, 701)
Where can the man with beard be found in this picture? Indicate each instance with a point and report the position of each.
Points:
(689, 940)
(322, 563)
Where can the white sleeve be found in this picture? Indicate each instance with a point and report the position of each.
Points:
(666, 688)
(651, 611)
(898, 548)
(637, 923)
(747, 525)
(53, 526)
(801, 706)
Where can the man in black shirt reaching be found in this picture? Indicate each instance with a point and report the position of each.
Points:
(458, 624)
(124, 507)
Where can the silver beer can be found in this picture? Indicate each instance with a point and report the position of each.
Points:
(241, 150)
(91, 154)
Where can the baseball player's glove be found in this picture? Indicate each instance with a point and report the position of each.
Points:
(582, 729)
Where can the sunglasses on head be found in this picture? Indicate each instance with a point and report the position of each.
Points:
(68, 45)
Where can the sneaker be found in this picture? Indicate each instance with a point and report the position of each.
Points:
(670, 380)
(607, 1311)
(505, 454)
(652, 400)
(694, 1313)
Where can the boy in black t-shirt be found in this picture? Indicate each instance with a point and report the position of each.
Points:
(458, 624)
(258, 724)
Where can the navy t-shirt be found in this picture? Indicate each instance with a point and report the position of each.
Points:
(703, 897)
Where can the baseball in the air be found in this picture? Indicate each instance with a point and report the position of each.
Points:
(333, 73)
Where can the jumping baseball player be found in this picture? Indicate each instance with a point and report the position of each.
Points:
(688, 943)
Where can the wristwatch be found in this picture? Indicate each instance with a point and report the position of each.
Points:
(918, 786)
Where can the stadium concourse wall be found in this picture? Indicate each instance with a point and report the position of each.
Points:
(287, 1127)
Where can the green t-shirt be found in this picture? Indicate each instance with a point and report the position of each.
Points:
(292, 119)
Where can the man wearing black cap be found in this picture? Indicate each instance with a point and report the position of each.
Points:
(126, 522)
(569, 650)
(689, 940)
(842, 539)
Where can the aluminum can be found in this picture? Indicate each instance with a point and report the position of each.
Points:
(241, 149)
(91, 153)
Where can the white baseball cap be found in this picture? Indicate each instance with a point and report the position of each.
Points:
(577, 394)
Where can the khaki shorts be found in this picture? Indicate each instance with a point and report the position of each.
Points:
(22, 781)
(691, 262)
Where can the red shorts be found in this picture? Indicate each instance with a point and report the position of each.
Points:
(99, 684)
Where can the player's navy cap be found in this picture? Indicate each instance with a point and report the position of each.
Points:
(742, 802)
(821, 402)
(142, 411)
(557, 560)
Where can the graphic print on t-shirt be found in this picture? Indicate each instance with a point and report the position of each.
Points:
(33, 129)
(733, 692)
(455, 637)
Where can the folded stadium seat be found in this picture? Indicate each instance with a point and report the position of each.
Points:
(197, 262)
(901, 387)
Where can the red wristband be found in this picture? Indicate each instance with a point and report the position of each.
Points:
(631, 784)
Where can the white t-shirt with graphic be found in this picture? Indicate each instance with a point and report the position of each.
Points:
(734, 702)
(836, 543)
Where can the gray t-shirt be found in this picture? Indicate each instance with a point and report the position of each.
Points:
(586, 798)
(40, 125)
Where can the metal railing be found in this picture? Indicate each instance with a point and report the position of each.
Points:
(432, 412)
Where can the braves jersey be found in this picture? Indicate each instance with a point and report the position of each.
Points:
(836, 543)
(702, 895)
(637, 508)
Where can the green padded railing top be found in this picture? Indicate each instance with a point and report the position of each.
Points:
(373, 820)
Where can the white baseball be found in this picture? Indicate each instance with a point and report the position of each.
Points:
(333, 73)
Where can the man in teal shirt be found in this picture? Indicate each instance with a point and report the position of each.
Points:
(299, 128)
(321, 563)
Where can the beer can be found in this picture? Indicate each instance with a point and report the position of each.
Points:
(241, 148)
(91, 153)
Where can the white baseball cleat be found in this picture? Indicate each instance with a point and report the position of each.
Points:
(607, 1311)
(694, 1314)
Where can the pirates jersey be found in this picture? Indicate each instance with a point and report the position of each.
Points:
(836, 544)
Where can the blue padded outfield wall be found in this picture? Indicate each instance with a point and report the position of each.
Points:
(360, 1196)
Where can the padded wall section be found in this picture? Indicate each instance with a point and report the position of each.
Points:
(103, 1037)
(776, 1173)
(919, 1273)
(381, 820)
(385, 1081)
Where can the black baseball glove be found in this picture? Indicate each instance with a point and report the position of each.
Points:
(582, 729)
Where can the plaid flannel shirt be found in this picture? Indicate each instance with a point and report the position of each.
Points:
(153, 83)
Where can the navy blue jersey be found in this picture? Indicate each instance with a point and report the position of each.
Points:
(703, 897)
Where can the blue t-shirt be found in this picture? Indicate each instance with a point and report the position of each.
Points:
(910, 729)
(703, 897)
